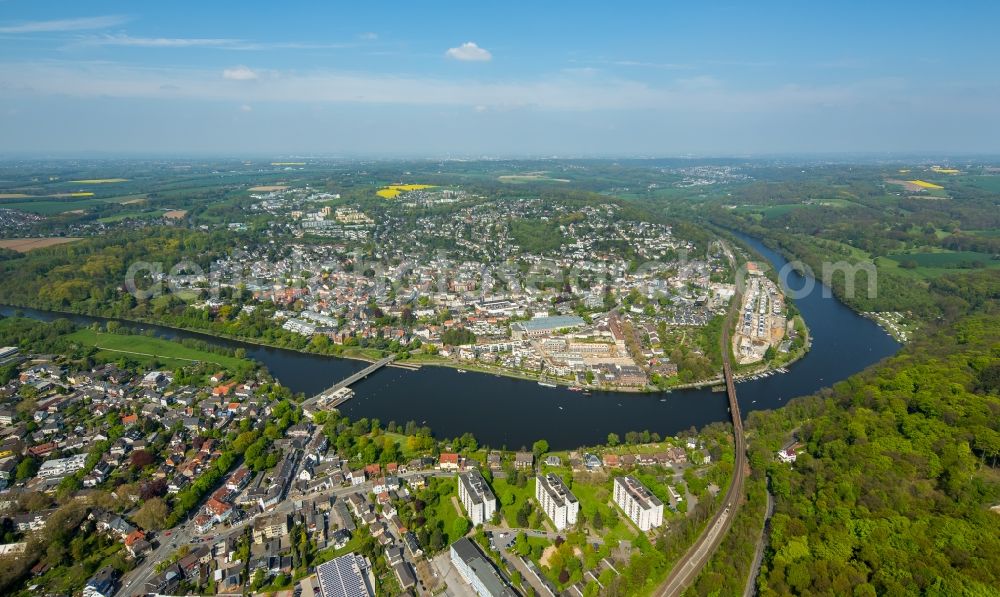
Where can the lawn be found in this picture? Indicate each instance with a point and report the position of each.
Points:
(146, 349)
(325, 555)
(510, 497)
(594, 498)
(442, 512)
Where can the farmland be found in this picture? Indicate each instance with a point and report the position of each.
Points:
(394, 190)
(23, 245)
(529, 177)
(924, 184)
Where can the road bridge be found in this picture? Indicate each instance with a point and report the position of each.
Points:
(328, 393)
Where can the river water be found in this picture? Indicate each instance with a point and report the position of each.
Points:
(511, 413)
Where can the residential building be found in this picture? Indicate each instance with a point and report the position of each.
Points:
(346, 576)
(556, 500)
(638, 503)
(270, 527)
(478, 571)
(448, 461)
(60, 467)
(476, 496)
(102, 584)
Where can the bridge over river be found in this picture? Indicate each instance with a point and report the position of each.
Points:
(327, 398)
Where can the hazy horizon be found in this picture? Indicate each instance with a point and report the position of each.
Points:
(530, 80)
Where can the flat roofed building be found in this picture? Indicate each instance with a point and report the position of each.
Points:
(481, 575)
(638, 503)
(476, 496)
(558, 502)
(346, 576)
(541, 326)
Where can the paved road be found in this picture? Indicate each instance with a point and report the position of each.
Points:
(690, 565)
(758, 558)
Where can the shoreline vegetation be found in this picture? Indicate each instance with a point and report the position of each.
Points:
(415, 361)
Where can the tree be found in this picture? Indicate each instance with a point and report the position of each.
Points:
(26, 469)
(613, 439)
(437, 539)
(460, 528)
(598, 520)
(540, 447)
(141, 459)
(152, 515)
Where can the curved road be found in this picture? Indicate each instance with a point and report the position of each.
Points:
(689, 566)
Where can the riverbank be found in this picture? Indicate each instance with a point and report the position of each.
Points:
(495, 407)
(356, 354)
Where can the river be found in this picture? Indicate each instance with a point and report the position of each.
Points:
(511, 413)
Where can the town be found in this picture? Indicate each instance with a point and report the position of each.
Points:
(550, 297)
(127, 478)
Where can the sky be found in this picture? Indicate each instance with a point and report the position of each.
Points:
(468, 79)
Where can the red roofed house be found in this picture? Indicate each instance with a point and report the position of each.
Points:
(203, 522)
(239, 479)
(222, 389)
(220, 511)
(42, 449)
(136, 543)
(448, 461)
(130, 419)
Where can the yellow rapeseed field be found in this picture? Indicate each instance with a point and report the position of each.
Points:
(941, 170)
(925, 184)
(392, 191)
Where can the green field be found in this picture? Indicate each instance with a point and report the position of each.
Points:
(986, 182)
(135, 215)
(944, 259)
(146, 349)
(47, 206)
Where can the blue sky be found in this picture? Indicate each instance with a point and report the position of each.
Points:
(513, 78)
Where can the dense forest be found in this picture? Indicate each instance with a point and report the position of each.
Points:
(892, 490)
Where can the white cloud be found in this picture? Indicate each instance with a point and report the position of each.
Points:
(158, 42)
(246, 108)
(469, 52)
(239, 73)
(203, 42)
(80, 24)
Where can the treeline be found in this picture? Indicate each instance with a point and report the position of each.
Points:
(892, 490)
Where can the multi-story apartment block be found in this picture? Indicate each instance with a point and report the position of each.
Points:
(638, 502)
(476, 496)
(556, 500)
